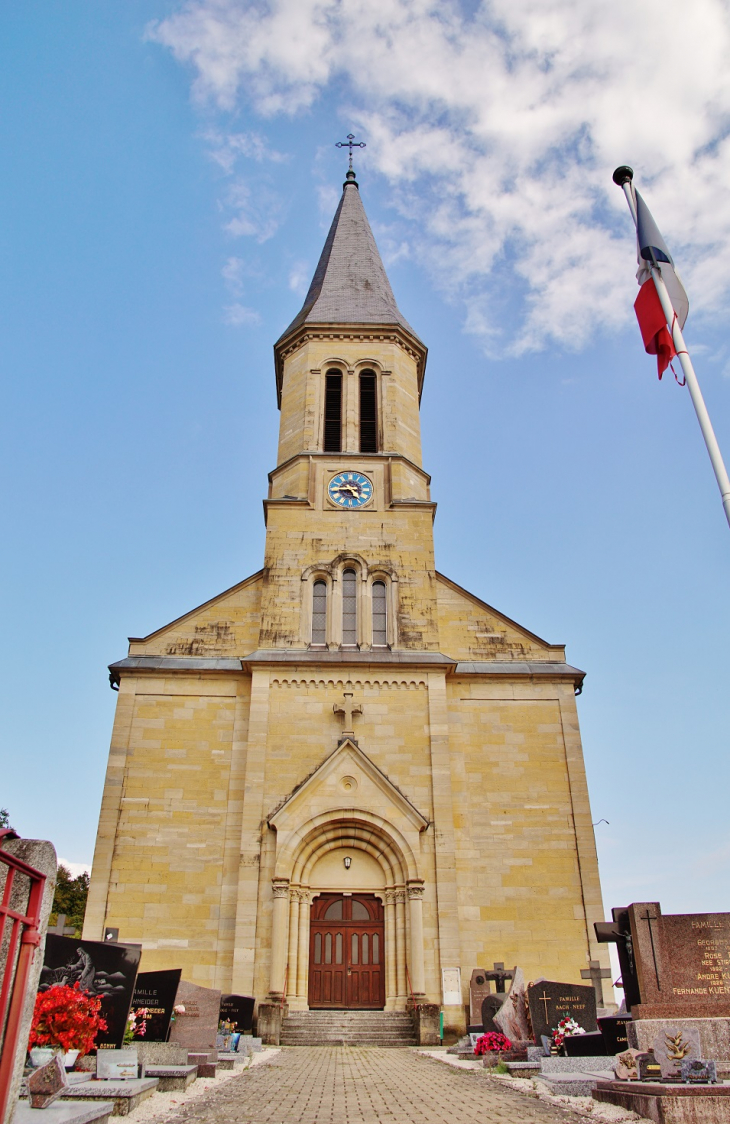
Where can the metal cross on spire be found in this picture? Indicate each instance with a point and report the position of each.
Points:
(350, 143)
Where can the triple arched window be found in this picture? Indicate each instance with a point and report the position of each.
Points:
(357, 600)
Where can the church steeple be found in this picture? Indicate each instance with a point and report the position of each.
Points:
(350, 285)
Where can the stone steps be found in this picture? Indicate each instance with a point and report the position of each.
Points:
(352, 1028)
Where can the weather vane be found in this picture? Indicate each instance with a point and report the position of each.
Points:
(350, 143)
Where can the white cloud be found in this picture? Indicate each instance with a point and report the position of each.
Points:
(237, 315)
(75, 869)
(299, 278)
(499, 131)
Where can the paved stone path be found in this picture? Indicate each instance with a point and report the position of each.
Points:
(357, 1085)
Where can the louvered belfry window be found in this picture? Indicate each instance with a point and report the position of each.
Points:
(368, 413)
(380, 614)
(349, 607)
(333, 412)
(319, 613)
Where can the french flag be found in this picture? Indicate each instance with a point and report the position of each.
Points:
(652, 252)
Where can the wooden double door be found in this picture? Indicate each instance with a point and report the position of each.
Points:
(346, 952)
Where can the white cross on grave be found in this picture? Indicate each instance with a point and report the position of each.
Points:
(347, 710)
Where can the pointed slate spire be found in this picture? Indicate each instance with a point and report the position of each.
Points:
(350, 285)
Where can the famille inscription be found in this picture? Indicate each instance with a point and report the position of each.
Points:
(704, 969)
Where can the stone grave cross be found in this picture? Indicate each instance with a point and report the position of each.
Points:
(499, 975)
(347, 710)
(595, 973)
(61, 929)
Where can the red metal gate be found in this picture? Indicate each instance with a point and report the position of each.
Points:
(20, 935)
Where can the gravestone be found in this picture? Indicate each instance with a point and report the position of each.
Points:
(47, 1083)
(102, 969)
(238, 1009)
(550, 1001)
(479, 988)
(155, 992)
(674, 1045)
(61, 929)
(626, 1067)
(648, 1067)
(197, 1026)
(490, 1005)
(511, 1018)
(613, 1029)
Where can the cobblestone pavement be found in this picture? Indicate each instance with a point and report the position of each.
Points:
(359, 1085)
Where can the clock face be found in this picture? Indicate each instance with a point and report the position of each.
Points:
(350, 489)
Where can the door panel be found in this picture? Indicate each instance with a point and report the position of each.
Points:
(346, 952)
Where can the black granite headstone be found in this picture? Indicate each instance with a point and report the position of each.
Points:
(101, 969)
(584, 1045)
(238, 1009)
(613, 1029)
(155, 992)
(550, 1002)
(490, 1005)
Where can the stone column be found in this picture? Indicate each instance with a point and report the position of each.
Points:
(291, 986)
(391, 978)
(279, 931)
(400, 943)
(415, 903)
(305, 901)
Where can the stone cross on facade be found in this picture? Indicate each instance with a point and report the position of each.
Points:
(499, 975)
(347, 710)
(595, 973)
(61, 929)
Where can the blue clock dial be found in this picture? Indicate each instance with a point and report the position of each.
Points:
(350, 489)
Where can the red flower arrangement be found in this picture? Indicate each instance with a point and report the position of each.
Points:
(491, 1042)
(66, 1017)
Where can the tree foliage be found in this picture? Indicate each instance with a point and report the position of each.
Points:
(70, 897)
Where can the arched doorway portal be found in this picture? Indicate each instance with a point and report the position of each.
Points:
(347, 952)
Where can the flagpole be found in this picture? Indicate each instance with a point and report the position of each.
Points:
(623, 177)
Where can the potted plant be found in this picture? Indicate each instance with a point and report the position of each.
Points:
(65, 1021)
(492, 1043)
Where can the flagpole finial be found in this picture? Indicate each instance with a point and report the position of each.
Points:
(623, 175)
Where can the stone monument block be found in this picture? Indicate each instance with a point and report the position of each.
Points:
(197, 1026)
(46, 1084)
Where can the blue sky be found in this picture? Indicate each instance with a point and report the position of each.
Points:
(168, 177)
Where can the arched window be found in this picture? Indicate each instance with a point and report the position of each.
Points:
(368, 413)
(349, 607)
(333, 412)
(380, 614)
(319, 612)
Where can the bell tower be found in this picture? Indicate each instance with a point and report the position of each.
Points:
(349, 494)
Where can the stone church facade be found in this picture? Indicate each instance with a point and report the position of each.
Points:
(346, 776)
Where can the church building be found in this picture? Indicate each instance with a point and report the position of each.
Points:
(347, 782)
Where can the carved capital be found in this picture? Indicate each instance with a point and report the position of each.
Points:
(415, 889)
(390, 897)
(399, 895)
(280, 887)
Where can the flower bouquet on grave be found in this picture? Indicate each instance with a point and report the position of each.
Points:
(565, 1028)
(67, 1021)
(492, 1043)
(178, 1009)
